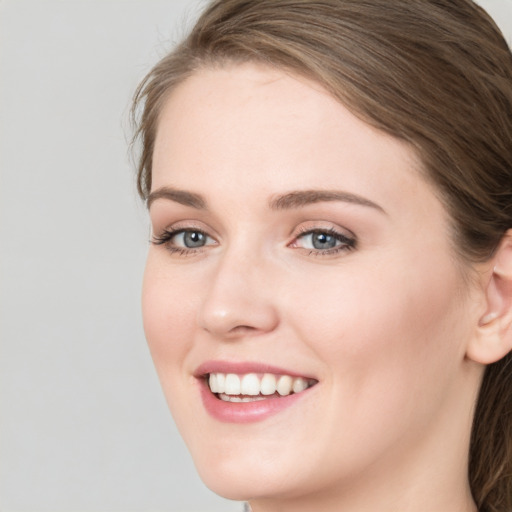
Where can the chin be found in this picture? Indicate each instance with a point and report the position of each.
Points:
(236, 488)
(243, 484)
(239, 475)
(244, 472)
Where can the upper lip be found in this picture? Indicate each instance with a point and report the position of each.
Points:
(244, 367)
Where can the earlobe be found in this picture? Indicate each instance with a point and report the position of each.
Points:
(493, 337)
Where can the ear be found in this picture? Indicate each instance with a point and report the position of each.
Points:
(493, 339)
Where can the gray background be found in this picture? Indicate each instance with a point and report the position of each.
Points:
(84, 426)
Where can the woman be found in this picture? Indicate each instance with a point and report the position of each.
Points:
(328, 292)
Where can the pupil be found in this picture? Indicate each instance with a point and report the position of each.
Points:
(323, 241)
(193, 239)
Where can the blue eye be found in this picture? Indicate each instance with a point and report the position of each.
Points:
(190, 239)
(183, 240)
(324, 241)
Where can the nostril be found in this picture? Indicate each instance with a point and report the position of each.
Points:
(241, 329)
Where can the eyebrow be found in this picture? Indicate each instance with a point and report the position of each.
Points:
(301, 198)
(288, 201)
(178, 196)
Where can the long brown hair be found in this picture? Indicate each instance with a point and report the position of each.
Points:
(435, 73)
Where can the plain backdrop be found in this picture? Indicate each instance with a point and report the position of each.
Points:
(83, 423)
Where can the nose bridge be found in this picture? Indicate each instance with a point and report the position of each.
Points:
(237, 300)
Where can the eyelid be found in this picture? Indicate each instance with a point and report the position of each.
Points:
(165, 236)
(347, 239)
(184, 225)
(324, 227)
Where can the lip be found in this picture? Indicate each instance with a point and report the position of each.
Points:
(245, 412)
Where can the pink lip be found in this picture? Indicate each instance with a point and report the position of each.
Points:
(244, 412)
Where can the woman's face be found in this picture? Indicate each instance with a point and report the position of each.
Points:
(297, 246)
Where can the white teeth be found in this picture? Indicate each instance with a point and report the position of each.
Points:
(268, 384)
(212, 381)
(232, 384)
(252, 398)
(299, 384)
(229, 398)
(221, 382)
(284, 385)
(251, 385)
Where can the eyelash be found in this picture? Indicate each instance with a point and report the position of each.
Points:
(167, 235)
(347, 243)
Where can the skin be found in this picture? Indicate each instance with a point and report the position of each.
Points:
(384, 326)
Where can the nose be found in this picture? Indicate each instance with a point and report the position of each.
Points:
(240, 300)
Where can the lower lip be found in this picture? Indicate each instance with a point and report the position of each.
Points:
(245, 412)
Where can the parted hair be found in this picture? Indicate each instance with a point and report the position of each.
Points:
(434, 73)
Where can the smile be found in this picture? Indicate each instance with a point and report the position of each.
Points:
(251, 387)
(245, 392)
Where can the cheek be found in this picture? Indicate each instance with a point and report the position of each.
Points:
(391, 340)
(169, 312)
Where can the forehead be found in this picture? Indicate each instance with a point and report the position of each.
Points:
(239, 135)
(260, 119)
